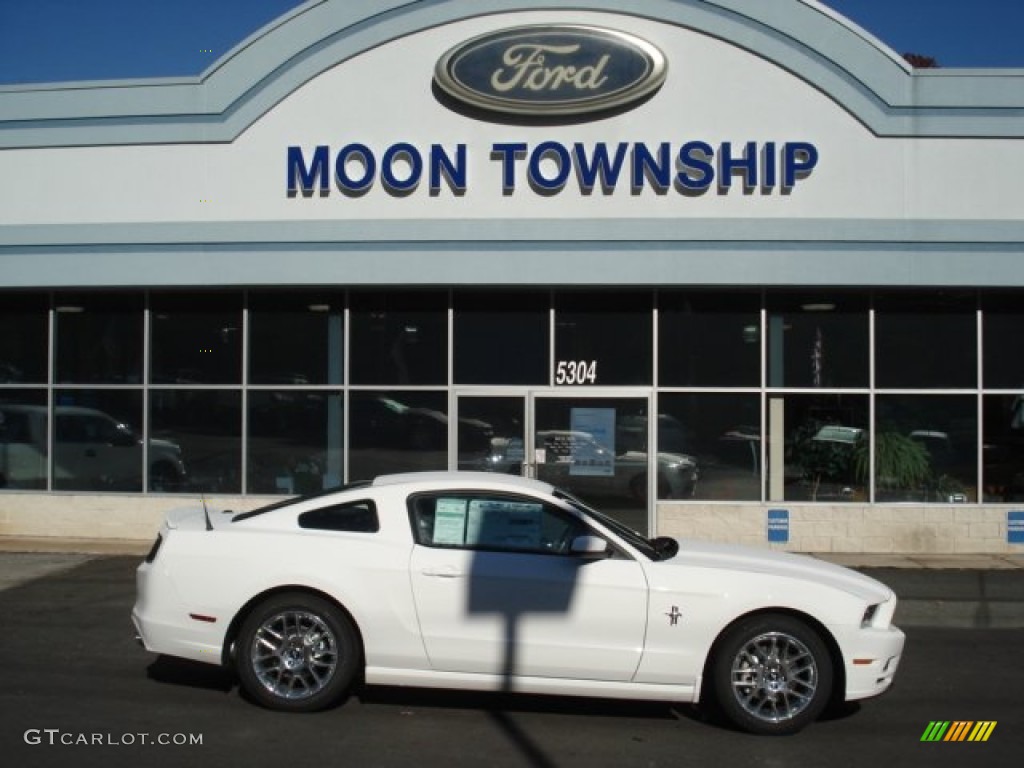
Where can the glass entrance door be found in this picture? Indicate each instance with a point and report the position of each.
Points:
(491, 433)
(594, 447)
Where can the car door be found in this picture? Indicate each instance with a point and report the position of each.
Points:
(498, 592)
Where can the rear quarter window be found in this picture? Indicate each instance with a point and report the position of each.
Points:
(352, 516)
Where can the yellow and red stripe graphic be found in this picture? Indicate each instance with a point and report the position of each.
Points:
(958, 730)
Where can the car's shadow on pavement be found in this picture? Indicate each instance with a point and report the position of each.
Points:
(191, 674)
(525, 703)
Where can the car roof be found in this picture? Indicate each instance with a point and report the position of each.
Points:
(467, 479)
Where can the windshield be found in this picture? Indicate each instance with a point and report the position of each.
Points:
(631, 537)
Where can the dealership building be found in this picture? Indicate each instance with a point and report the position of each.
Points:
(730, 270)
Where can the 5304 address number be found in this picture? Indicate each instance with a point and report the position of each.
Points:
(576, 372)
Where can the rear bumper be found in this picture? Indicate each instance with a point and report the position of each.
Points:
(172, 629)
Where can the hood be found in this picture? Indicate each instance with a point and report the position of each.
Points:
(699, 554)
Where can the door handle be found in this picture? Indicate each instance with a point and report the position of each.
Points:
(443, 572)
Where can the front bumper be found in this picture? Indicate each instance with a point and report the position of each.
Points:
(871, 657)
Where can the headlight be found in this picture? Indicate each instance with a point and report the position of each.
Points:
(869, 615)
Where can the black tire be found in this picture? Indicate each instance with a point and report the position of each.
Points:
(297, 653)
(771, 675)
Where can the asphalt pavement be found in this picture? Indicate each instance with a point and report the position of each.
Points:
(79, 692)
(945, 590)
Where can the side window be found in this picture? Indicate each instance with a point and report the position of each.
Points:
(355, 517)
(495, 523)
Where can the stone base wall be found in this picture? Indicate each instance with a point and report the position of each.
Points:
(952, 529)
(81, 516)
(946, 529)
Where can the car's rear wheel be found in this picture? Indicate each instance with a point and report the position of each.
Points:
(772, 674)
(297, 652)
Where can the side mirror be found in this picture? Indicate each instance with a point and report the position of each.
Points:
(589, 546)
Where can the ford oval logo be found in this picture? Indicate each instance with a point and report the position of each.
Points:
(556, 69)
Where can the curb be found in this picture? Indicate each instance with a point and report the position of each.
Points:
(973, 598)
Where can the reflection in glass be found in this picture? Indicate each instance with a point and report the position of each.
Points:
(97, 441)
(817, 340)
(23, 441)
(399, 338)
(597, 449)
(490, 434)
(501, 338)
(817, 448)
(926, 340)
(99, 338)
(1002, 331)
(295, 441)
(722, 432)
(24, 327)
(197, 339)
(709, 339)
(926, 448)
(206, 425)
(296, 339)
(603, 338)
(1003, 440)
(398, 432)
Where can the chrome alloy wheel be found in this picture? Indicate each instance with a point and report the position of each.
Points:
(774, 677)
(294, 654)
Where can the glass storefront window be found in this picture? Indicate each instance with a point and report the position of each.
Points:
(24, 426)
(709, 340)
(97, 441)
(501, 338)
(295, 441)
(1003, 436)
(817, 448)
(603, 339)
(399, 338)
(926, 341)
(722, 434)
(99, 338)
(818, 340)
(926, 448)
(1002, 331)
(397, 345)
(196, 338)
(402, 431)
(204, 428)
(296, 339)
(24, 325)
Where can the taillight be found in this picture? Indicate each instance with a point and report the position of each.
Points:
(155, 548)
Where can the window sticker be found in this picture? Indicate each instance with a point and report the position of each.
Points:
(450, 522)
(504, 524)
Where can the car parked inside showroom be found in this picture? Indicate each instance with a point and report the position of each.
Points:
(491, 582)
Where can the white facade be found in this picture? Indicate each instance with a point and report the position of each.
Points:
(177, 184)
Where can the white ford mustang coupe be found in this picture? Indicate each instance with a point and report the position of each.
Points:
(481, 581)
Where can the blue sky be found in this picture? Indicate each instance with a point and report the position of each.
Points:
(58, 40)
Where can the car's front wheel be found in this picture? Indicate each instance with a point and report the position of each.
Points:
(772, 674)
(297, 652)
